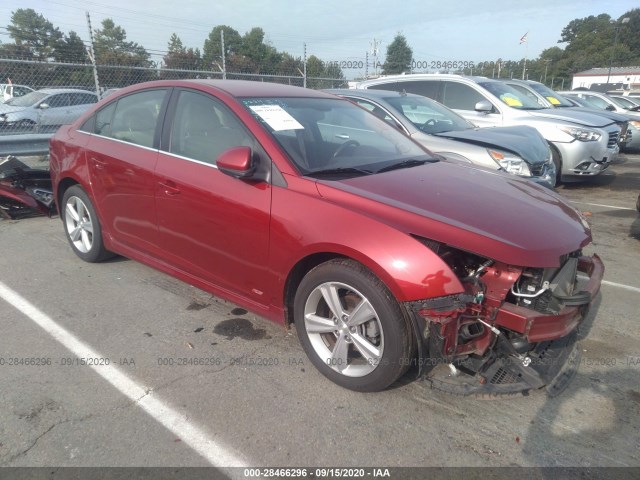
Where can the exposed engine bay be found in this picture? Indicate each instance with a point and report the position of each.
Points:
(514, 329)
(24, 191)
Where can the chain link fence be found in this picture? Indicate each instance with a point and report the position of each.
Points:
(40, 96)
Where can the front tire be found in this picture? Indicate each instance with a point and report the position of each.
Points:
(82, 226)
(351, 327)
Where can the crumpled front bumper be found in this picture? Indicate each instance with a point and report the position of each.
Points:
(552, 363)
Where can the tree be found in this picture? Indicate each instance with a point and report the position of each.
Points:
(112, 48)
(70, 49)
(180, 58)
(212, 52)
(34, 34)
(257, 55)
(399, 56)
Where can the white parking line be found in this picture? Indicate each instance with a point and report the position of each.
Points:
(602, 205)
(215, 453)
(621, 285)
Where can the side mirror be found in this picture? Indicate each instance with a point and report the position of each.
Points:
(611, 108)
(43, 106)
(236, 162)
(484, 106)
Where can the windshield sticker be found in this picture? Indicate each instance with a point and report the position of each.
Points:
(276, 117)
(553, 100)
(510, 100)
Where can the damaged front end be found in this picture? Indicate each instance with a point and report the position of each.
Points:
(514, 329)
(24, 191)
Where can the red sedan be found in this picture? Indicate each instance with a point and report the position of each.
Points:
(308, 210)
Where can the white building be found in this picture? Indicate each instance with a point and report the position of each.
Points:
(628, 76)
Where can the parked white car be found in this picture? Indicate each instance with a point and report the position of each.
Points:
(9, 91)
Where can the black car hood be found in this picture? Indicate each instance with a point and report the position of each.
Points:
(616, 117)
(524, 141)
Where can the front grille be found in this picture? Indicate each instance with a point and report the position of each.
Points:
(613, 140)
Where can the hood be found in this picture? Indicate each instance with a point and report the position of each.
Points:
(578, 117)
(525, 142)
(4, 108)
(616, 117)
(492, 214)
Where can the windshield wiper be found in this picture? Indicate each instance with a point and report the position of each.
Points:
(340, 171)
(412, 162)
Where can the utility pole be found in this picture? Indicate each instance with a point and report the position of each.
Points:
(366, 65)
(92, 56)
(224, 65)
(374, 53)
(304, 65)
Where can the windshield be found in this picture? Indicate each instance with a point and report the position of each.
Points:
(332, 135)
(552, 97)
(428, 115)
(627, 104)
(510, 96)
(26, 100)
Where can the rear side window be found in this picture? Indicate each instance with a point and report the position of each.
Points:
(57, 101)
(136, 117)
(426, 88)
(459, 96)
(83, 98)
(103, 120)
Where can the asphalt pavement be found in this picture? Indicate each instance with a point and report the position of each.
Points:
(117, 364)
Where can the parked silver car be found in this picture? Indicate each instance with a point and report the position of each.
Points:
(44, 110)
(580, 148)
(519, 150)
(602, 101)
(551, 99)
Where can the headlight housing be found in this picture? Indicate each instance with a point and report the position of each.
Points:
(510, 163)
(635, 123)
(582, 134)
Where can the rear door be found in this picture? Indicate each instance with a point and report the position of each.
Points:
(211, 225)
(121, 158)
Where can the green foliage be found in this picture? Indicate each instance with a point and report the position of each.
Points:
(399, 56)
(34, 35)
(180, 58)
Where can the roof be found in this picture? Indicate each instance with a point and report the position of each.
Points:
(50, 91)
(236, 88)
(369, 93)
(605, 71)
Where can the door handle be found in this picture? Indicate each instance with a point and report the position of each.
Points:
(342, 136)
(170, 188)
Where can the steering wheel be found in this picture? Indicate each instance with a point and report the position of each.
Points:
(345, 145)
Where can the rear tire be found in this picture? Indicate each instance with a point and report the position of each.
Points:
(351, 327)
(82, 226)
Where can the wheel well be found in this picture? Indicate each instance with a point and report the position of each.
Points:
(296, 275)
(63, 186)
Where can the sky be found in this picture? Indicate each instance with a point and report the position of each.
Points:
(338, 30)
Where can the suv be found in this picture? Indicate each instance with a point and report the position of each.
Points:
(580, 148)
(630, 127)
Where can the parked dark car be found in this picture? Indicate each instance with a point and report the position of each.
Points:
(308, 210)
